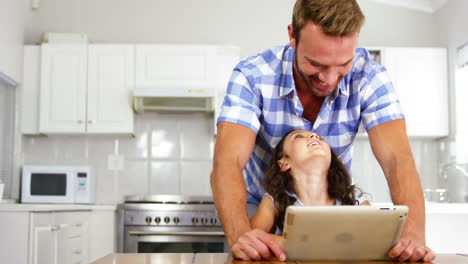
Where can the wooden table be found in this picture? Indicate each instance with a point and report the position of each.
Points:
(225, 258)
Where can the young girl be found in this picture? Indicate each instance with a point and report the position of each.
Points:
(303, 171)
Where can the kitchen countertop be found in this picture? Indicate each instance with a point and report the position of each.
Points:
(438, 208)
(225, 258)
(431, 208)
(19, 207)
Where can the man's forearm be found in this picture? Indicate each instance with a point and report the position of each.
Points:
(407, 191)
(230, 197)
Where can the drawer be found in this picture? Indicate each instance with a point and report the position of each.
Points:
(76, 251)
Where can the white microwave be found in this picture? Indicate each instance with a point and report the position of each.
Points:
(58, 184)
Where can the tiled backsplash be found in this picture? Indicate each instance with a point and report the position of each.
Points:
(368, 175)
(171, 153)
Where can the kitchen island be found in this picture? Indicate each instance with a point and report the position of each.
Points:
(225, 258)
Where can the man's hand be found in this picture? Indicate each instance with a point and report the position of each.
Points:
(409, 249)
(256, 244)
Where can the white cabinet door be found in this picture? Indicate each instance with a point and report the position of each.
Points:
(420, 79)
(111, 78)
(43, 239)
(63, 88)
(177, 66)
(72, 238)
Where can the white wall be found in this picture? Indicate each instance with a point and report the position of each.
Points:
(12, 19)
(396, 26)
(12, 22)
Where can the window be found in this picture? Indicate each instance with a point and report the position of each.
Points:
(461, 95)
(7, 124)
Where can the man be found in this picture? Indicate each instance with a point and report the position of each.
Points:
(322, 83)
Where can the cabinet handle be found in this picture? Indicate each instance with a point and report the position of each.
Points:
(80, 121)
(54, 227)
(90, 121)
(78, 251)
(78, 225)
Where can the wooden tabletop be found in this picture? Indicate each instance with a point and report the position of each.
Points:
(225, 258)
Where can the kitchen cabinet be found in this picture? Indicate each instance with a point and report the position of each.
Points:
(111, 78)
(188, 77)
(174, 66)
(63, 88)
(59, 237)
(83, 89)
(420, 79)
(48, 234)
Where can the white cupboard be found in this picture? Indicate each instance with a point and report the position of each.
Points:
(176, 66)
(59, 237)
(83, 89)
(420, 79)
(111, 78)
(55, 237)
(63, 88)
(183, 77)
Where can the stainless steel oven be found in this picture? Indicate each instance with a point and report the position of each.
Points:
(171, 224)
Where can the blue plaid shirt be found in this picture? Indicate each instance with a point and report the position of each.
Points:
(261, 95)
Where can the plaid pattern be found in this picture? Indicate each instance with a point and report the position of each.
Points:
(261, 95)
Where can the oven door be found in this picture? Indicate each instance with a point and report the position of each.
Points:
(174, 239)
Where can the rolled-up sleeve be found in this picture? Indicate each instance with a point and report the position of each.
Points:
(379, 103)
(241, 105)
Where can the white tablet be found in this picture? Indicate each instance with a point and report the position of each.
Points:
(342, 232)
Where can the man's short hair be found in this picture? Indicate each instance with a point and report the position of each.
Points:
(337, 18)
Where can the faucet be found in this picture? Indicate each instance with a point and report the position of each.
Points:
(444, 173)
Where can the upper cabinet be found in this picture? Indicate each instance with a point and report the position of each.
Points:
(175, 66)
(420, 79)
(83, 89)
(111, 79)
(183, 77)
(94, 88)
(63, 88)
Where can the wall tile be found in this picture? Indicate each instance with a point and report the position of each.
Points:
(38, 150)
(133, 179)
(367, 174)
(165, 177)
(137, 147)
(196, 132)
(195, 178)
(106, 186)
(165, 137)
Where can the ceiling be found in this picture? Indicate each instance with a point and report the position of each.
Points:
(429, 6)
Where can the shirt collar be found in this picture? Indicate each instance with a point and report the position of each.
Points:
(293, 195)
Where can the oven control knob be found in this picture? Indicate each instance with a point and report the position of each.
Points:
(167, 220)
(157, 220)
(176, 220)
(204, 220)
(148, 220)
(213, 221)
(195, 220)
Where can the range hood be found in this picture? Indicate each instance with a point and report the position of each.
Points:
(170, 97)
